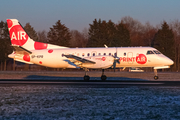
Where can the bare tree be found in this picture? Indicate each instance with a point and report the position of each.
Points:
(86, 36)
(149, 33)
(77, 39)
(140, 34)
(42, 36)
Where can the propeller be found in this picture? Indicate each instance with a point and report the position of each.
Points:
(116, 60)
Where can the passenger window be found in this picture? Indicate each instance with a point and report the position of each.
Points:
(124, 54)
(149, 52)
(115, 54)
(83, 54)
(63, 55)
(88, 54)
(99, 53)
(109, 54)
(94, 54)
(104, 53)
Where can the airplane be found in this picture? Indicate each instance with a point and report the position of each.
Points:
(27, 50)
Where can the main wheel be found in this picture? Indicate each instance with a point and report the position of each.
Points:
(86, 78)
(103, 77)
(156, 77)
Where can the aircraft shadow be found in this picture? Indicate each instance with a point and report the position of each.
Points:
(39, 77)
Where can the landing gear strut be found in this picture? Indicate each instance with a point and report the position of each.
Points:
(86, 77)
(155, 72)
(103, 77)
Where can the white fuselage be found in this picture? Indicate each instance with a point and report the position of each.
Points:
(129, 57)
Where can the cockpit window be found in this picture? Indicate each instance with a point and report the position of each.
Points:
(157, 52)
(149, 52)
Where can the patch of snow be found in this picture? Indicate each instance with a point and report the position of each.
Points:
(76, 102)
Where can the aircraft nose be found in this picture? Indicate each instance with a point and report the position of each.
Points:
(169, 61)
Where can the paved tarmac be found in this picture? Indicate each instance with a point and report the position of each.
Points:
(95, 75)
(92, 83)
(117, 79)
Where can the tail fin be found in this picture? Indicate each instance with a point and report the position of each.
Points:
(19, 37)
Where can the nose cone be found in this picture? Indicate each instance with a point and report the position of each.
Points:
(164, 60)
(169, 61)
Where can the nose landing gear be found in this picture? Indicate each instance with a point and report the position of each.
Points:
(156, 76)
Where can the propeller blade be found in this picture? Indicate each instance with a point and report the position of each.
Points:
(114, 65)
(116, 60)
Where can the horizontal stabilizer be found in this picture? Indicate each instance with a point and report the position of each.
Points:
(23, 61)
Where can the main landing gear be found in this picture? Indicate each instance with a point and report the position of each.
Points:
(155, 72)
(86, 77)
(103, 77)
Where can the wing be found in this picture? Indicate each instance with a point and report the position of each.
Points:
(74, 59)
(21, 50)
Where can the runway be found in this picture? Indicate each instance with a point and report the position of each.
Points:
(94, 75)
(92, 83)
(114, 79)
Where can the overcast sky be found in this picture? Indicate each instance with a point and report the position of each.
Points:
(78, 14)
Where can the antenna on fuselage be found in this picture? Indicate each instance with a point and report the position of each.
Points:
(105, 46)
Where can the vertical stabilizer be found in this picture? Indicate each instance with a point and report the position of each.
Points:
(19, 37)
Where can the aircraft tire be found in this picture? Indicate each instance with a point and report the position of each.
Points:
(86, 78)
(156, 77)
(103, 77)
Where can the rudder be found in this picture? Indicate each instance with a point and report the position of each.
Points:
(18, 35)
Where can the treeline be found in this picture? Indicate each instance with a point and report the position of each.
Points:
(127, 32)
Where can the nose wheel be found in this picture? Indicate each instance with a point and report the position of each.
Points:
(156, 77)
(155, 72)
